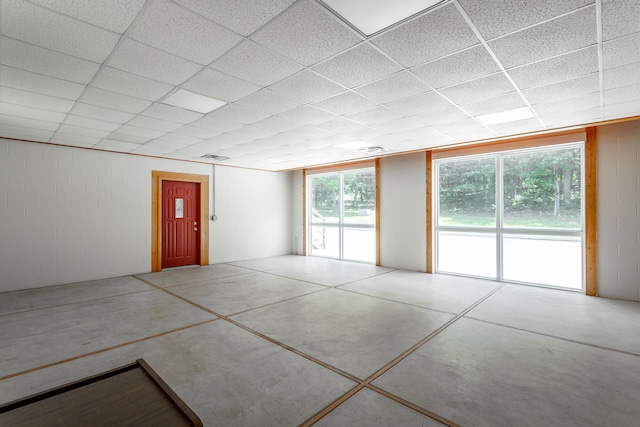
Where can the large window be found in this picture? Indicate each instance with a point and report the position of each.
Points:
(341, 215)
(514, 216)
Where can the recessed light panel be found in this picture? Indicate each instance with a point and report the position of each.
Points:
(506, 116)
(371, 16)
(192, 101)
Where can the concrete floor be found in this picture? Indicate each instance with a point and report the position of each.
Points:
(298, 340)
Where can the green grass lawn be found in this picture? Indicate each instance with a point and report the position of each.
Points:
(524, 221)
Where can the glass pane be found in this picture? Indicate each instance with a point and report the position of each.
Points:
(325, 241)
(179, 208)
(464, 253)
(325, 198)
(360, 244)
(543, 189)
(360, 197)
(555, 261)
(467, 192)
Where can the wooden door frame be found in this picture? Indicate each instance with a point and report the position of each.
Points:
(157, 177)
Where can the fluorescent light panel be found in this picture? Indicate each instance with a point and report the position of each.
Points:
(192, 101)
(506, 116)
(371, 16)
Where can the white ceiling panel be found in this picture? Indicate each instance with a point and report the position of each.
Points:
(40, 26)
(623, 109)
(305, 133)
(621, 51)
(447, 115)
(339, 125)
(111, 145)
(91, 123)
(27, 123)
(478, 90)
(10, 131)
(269, 102)
(306, 86)
(469, 64)
(152, 63)
(622, 94)
(518, 127)
(241, 16)
(358, 66)
(151, 123)
(567, 106)
(564, 90)
(136, 139)
(223, 87)
(430, 101)
(438, 33)
(197, 132)
(179, 138)
(176, 30)
(171, 113)
(114, 15)
(31, 112)
(30, 99)
(216, 123)
(138, 131)
(588, 115)
(130, 84)
(152, 151)
(399, 125)
(256, 64)
(392, 88)
(495, 18)
(254, 131)
(278, 124)
(159, 143)
(37, 83)
(307, 115)
(306, 33)
(75, 140)
(375, 115)
(346, 103)
(506, 102)
(562, 35)
(626, 75)
(39, 60)
(76, 130)
(229, 140)
(560, 68)
(116, 101)
(620, 18)
(96, 112)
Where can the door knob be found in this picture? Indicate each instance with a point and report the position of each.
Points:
(195, 229)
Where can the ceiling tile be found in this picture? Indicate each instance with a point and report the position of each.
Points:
(358, 66)
(346, 103)
(151, 123)
(619, 18)
(30, 99)
(588, 115)
(622, 76)
(196, 132)
(402, 124)
(393, 88)
(373, 116)
(562, 35)
(443, 116)
(220, 86)
(518, 127)
(560, 68)
(339, 125)
(96, 112)
(159, 143)
(501, 103)
(269, 102)
(216, 123)
(116, 101)
(154, 151)
(31, 113)
(176, 30)
(254, 131)
(478, 90)
(306, 33)
(457, 68)
(19, 132)
(228, 140)
(430, 101)
(567, 106)
(307, 115)
(621, 51)
(36, 25)
(465, 130)
(495, 18)
(278, 124)
(77, 130)
(125, 147)
(130, 84)
(44, 61)
(363, 133)
(256, 64)
(171, 113)
(31, 82)
(27, 123)
(114, 15)
(238, 114)
(74, 140)
(564, 90)
(304, 133)
(436, 34)
(624, 109)
(180, 138)
(87, 122)
(306, 86)
(136, 139)
(241, 16)
(622, 94)
(149, 62)
(138, 131)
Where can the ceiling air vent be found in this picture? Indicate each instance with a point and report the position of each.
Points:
(374, 150)
(214, 157)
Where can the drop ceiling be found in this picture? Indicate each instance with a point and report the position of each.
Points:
(301, 85)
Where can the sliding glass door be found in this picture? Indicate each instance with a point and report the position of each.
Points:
(341, 215)
(515, 216)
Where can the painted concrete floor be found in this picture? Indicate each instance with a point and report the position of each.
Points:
(293, 340)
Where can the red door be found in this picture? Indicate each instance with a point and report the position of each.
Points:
(180, 223)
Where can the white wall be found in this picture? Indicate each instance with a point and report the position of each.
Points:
(403, 215)
(70, 214)
(297, 212)
(254, 215)
(619, 210)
